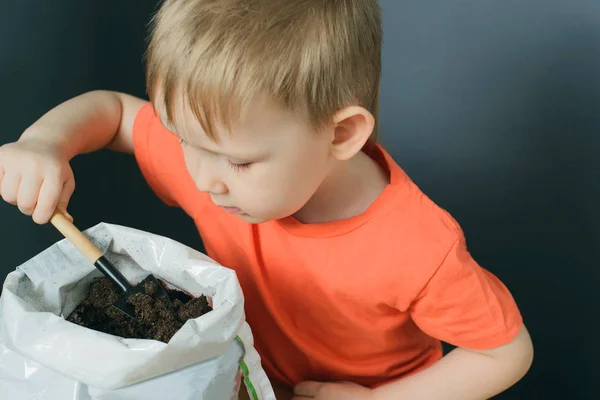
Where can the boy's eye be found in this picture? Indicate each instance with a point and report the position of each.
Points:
(239, 166)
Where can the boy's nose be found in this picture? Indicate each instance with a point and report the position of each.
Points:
(206, 181)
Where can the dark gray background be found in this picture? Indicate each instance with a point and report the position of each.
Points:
(492, 107)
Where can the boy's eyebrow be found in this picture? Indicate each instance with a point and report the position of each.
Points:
(217, 153)
(171, 128)
(241, 158)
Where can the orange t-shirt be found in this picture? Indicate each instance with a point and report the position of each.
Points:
(367, 299)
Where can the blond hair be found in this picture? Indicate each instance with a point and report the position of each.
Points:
(310, 56)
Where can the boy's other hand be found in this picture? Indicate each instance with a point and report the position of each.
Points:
(36, 177)
(331, 391)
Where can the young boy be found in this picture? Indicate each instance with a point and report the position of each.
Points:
(261, 126)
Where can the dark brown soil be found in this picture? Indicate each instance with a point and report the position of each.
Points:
(155, 320)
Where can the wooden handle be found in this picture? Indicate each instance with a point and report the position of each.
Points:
(76, 237)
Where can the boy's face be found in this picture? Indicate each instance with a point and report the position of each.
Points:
(267, 168)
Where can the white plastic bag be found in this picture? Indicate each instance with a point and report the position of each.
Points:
(44, 357)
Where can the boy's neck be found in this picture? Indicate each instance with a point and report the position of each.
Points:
(348, 191)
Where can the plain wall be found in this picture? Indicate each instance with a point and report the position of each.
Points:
(493, 108)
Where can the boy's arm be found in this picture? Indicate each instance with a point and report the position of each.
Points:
(464, 305)
(35, 174)
(466, 374)
(88, 122)
(461, 375)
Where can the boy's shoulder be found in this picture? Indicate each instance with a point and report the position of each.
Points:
(409, 234)
(412, 214)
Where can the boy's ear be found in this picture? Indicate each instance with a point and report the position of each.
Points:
(352, 127)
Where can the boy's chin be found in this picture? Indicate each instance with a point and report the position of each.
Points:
(251, 219)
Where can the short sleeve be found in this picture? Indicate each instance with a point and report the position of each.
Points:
(149, 148)
(465, 305)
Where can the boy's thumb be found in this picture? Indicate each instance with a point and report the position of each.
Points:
(65, 197)
(62, 208)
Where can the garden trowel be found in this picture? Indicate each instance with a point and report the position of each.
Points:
(95, 256)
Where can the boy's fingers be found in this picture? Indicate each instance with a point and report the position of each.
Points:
(10, 187)
(29, 190)
(48, 199)
(65, 197)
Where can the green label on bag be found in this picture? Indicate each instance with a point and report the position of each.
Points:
(246, 372)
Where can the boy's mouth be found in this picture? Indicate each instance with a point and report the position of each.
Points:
(231, 210)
